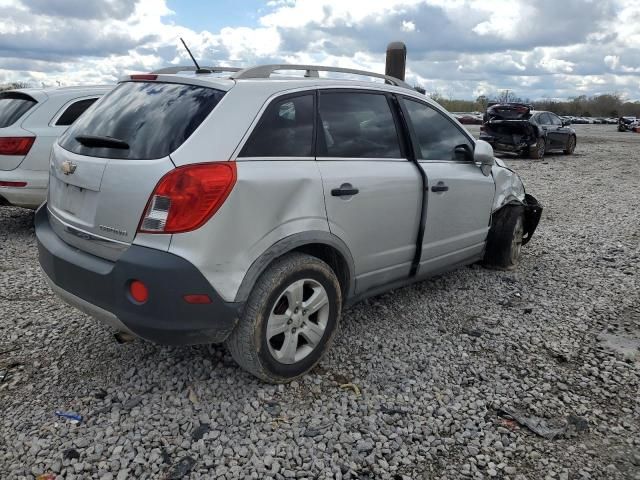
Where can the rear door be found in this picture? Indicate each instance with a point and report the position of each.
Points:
(106, 165)
(544, 121)
(373, 193)
(460, 197)
(557, 134)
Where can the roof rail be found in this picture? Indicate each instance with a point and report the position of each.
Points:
(265, 71)
(191, 68)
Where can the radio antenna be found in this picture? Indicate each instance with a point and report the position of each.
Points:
(195, 62)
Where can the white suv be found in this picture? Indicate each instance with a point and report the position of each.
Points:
(250, 209)
(31, 120)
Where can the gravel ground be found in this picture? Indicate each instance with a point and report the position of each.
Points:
(435, 365)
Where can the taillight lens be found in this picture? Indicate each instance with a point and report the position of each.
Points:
(143, 76)
(187, 197)
(16, 145)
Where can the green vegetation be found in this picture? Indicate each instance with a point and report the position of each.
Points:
(605, 105)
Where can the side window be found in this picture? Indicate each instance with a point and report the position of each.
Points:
(357, 125)
(74, 110)
(437, 136)
(285, 130)
(555, 120)
(543, 119)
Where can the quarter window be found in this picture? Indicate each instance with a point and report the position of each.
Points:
(285, 130)
(437, 136)
(74, 110)
(357, 125)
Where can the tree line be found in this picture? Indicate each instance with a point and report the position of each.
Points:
(605, 105)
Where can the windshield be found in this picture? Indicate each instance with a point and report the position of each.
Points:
(151, 119)
(13, 105)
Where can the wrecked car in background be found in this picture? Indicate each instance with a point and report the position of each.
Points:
(627, 124)
(517, 128)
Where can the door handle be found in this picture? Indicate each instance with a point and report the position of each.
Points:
(345, 190)
(439, 187)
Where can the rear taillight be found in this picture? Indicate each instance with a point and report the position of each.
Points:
(12, 184)
(185, 198)
(16, 145)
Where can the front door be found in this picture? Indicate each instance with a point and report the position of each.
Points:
(373, 193)
(460, 197)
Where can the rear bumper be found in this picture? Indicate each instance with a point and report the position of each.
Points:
(30, 196)
(100, 288)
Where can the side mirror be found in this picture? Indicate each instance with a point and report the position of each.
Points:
(463, 152)
(483, 154)
(566, 123)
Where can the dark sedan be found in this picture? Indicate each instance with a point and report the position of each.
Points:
(517, 128)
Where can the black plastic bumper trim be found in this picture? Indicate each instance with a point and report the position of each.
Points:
(165, 318)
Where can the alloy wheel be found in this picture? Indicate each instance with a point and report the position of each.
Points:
(297, 321)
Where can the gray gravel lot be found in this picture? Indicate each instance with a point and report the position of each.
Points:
(435, 364)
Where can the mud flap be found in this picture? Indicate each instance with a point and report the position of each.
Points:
(532, 213)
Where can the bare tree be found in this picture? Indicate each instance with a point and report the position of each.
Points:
(14, 86)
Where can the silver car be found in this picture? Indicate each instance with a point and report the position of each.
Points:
(31, 120)
(251, 208)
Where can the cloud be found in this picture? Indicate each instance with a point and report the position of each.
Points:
(547, 48)
(83, 9)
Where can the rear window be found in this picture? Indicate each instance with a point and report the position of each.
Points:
(14, 105)
(152, 119)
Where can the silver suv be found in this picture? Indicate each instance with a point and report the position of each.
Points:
(251, 208)
(31, 120)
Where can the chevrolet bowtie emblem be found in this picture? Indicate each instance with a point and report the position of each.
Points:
(68, 167)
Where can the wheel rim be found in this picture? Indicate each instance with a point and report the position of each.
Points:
(516, 242)
(572, 144)
(297, 321)
(541, 148)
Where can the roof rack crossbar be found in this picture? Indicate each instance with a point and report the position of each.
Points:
(265, 71)
(191, 68)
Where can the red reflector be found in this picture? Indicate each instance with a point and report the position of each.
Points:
(16, 145)
(186, 197)
(197, 299)
(13, 184)
(143, 76)
(138, 291)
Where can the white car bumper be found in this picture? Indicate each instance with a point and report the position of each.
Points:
(29, 196)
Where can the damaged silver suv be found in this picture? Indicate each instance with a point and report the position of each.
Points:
(250, 208)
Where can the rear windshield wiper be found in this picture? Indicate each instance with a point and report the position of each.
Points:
(95, 141)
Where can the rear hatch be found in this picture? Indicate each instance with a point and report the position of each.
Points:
(105, 167)
(15, 142)
(508, 123)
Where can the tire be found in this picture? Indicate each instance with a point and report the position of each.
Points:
(571, 145)
(276, 339)
(504, 242)
(537, 153)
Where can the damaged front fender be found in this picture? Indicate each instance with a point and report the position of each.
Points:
(510, 191)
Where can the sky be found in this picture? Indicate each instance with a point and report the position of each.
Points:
(456, 48)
